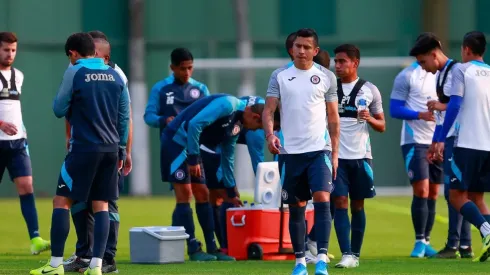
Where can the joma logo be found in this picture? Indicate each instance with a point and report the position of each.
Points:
(99, 77)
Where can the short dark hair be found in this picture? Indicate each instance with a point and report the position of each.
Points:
(180, 55)
(425, 43)
(308, 32)
(352, 51)
(81, 42)
(98, 35)
(290, 42)
(8, 37)
(322, 58)
(258, 108)
(476, 41)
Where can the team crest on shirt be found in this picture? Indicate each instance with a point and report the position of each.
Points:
(236, 130)
(179, 174)
(195, 93)
(315, 79)
(284, 194)
(410, 174)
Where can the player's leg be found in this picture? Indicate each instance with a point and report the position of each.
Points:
(216, 201)
(436, 178)
(418, 172)
(19, 167)
(319, 173)
(465, 250)
(83, 222)
(467, 174)
(109, 262)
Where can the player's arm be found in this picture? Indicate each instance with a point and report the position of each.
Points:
(227, 165)
(123, 122)
(129, 144)
(67, 133)
(218, 108)
(399, 95)
(152, 111)
(333, 118)
(62, 101)
(255, 144)
(271, 104)
(377, 120)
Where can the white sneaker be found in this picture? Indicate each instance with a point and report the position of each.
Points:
(348, 261)
(310, 259)
(70, 260)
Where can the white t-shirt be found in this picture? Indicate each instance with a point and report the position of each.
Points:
(303, 94)
(354, 136)
(416, 87)
(10, 110)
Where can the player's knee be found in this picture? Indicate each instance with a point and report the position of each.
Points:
(215, 197)
(298, 204)
(356, 206)
(341, 202)
(321, 196)
(24, 185)
(421, 188)
(457, 198)
(62, 202)
(433, 191)
(200, 192)
(183, 193)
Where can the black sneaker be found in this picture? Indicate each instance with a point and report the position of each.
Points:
(447, 253)
(76, 264)
(109, 266)
(466, 253)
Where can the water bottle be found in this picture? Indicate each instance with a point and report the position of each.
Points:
(245, 204)
(361, 106)
(437, 114)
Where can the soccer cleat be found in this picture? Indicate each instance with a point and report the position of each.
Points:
(446, 253)
(39, 245)
(300, 269)
(107, 267)
(220, 256)
(76, 264)
(72, 258)
(485, 251)
(314, 251)
(466, 253)
(429, 251)
(310, 259)
(321, 268)
(201, 256)
(95, 271)
(418, 250)
(48, 270)
(348, 261)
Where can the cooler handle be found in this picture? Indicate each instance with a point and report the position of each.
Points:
(242, 223)
(165, 238)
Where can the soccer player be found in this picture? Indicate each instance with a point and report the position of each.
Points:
(99, 114)
(413, 88)
(358, 99)
(82, 215)
(211, 159)
(168, 98)
(309, 155)
(14, 150)
(470, 162)
(214, 120)
(429, 54)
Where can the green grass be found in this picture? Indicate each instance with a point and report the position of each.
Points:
(388, 242)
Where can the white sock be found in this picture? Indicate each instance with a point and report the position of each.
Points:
(485, 229)
(464, 247)
(322, 257)
(301, 260)
(95, 262)
(56, 261)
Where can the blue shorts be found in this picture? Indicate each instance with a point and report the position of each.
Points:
(354, 178)
(89, 175)
(14, 155)
(418, 167)
(304, 174)
(173, 163)
(470, 170)
(212, 166)
(448, 154)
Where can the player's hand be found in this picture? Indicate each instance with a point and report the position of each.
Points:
(364, 115)
(169, 119)
(8, 128)
(432, 155)
(235, 201)
(128, 165)
(427, 116)
(335, 164)
(67, 144)
(119, 165)
(273, 144)
(439, 150)
(435, 105)
(195, 170)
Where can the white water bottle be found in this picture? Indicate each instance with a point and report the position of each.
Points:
(361, 106)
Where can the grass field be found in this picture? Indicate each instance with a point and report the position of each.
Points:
(388, 242)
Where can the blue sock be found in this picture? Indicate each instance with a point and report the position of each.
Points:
(204, 213)
(80, 218)
(217, 224)
(487, 218)
(28, 208)
(420, 213)
(465, 239)
(101, 233)
(332, 210)
(342, 228)
(454, 229)
(431, 217)
(323, 224)
(60, 228)
(111, 247)
(182, 216)
(312, 234)
(224, 231)
(358, 229)
(297, 230)
(472, 214)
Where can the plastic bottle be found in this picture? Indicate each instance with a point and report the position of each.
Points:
(361, 106)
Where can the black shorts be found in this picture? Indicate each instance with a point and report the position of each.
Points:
(354, 179)
(14, 156)
(87, 175)
(418, 167)
(470, 170)
(212, 166)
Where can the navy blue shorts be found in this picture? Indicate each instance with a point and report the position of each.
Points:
(89, 175)
(418, 167)
(14, 155)
(212, 166)
(470, 170)
(448, 154)
(354, 178)
(173, 163)
(304, 174)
